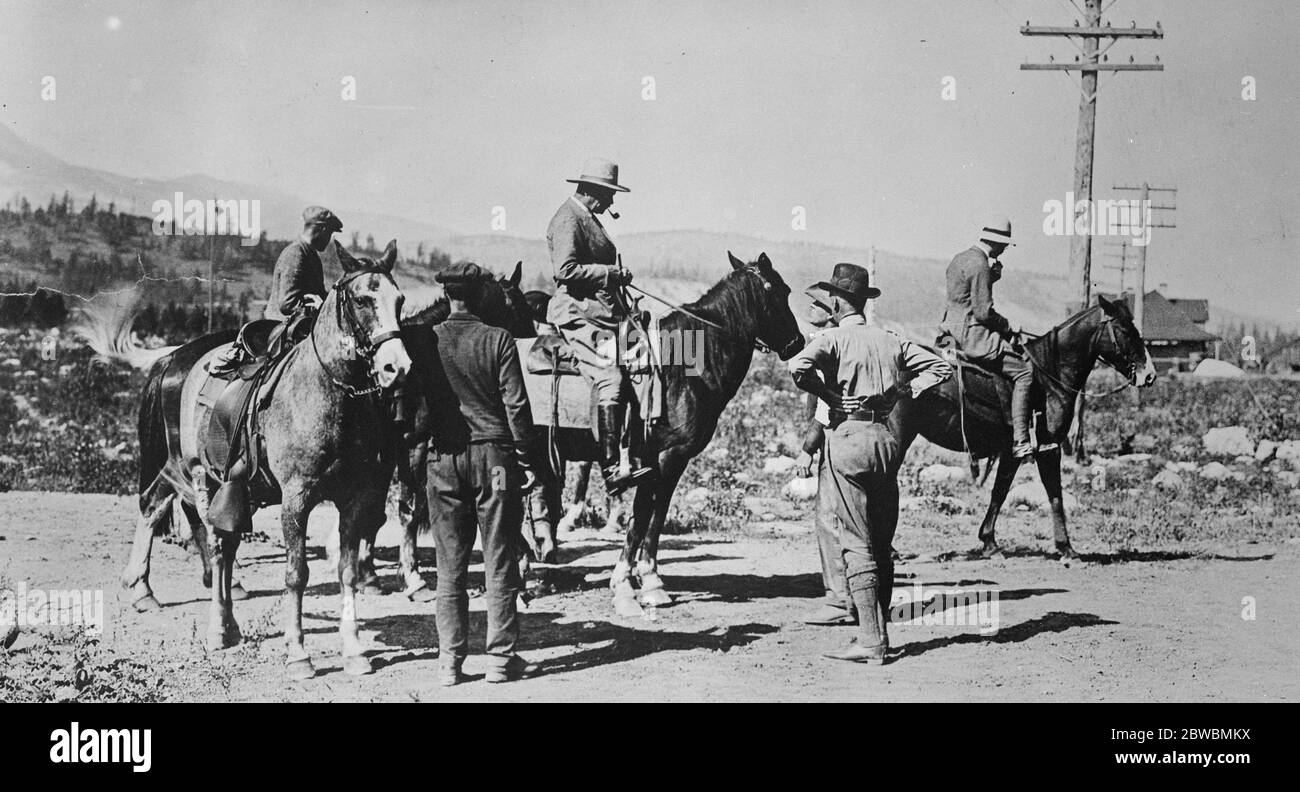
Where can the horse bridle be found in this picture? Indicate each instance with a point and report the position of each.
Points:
(1128, 371)
(758, 343)
(346, 316)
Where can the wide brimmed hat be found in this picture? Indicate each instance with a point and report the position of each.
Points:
(850, 279)
(997, 230)
(600, 172)
(819, 293)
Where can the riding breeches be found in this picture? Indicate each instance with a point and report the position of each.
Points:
(596, 349)
(862, 458)
(1016, 367)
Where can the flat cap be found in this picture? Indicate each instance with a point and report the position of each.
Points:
(319, 215)
(462, 272)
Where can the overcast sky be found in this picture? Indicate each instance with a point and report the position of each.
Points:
(759, 107)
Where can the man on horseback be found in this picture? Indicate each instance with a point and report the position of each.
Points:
(589, 306)
(859, 371)
(297, 289)
(982, 334)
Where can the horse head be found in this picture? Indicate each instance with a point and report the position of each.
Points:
(368, 310)
(777, 328)
(514, 313)
(1119, 344)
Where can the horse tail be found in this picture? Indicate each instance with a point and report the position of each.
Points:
(151, 427)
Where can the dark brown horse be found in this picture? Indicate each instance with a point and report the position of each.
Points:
(747, 309)
(326, 437)
(503, 306)
(1062, 360)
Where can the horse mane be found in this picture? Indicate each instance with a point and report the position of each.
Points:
(431, 314)
(726, 301)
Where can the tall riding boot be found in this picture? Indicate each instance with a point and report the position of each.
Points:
(610, 425)
(1023, 444)
(873, 642)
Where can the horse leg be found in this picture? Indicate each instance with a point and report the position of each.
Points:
(574, 512)
(293, 523)
(1049, 472)
(620, 580)
(1007, 467)
(354, 517)
(223, 630)
(413, 513)
(135, 576)
(653, 591)
(199, 535)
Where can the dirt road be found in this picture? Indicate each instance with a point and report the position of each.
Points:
(1163, 625)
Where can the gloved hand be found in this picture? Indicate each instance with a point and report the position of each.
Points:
(620, 276)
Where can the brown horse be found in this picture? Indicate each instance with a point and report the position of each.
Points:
(326, 436)
(1062, 360)
(747, 309)
(502, 306)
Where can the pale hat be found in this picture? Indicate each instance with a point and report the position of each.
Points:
(998, 230)
(600, 172)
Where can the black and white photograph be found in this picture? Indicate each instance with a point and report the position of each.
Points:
(633, 351)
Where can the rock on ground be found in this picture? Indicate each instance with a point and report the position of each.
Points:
(781, 464)
(802, 488)
(1228, 441)
(1168, 480)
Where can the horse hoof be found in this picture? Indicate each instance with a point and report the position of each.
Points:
(370, 588)
(207, 580)
(656, 597)
(991, 551)
(300, 669)
(238, 592)
(414, 586)
(225, 639)
(627, 606)
(1068, 557)
(146, 603)
(357, 665)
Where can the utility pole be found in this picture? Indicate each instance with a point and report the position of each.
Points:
(1093, 61)
(871, 273)
(1123, 263)
(1144, 202)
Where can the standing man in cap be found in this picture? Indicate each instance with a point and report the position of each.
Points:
(985, 336)
(297, 284)
(859, 370)
(587, 307)
(478, 472)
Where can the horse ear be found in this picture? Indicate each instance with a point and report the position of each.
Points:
(763, 260)
(517, 275)
(389, 258)
(1107, 306)
(735, 262)
(348, 263)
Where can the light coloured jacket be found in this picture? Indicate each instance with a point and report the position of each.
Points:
(583, 257)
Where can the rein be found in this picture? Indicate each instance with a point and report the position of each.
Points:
(1053, 337)
(346, 318)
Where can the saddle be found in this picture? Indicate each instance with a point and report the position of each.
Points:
(231, 447)
(982, 394)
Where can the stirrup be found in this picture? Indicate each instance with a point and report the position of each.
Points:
(617, 482)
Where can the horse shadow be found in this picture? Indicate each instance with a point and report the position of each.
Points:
(1099, 559)
(1053, 622)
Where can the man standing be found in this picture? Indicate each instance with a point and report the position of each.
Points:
(478, 472)
(837, 607)
(587, 307)
(859, 371)
(985, 336)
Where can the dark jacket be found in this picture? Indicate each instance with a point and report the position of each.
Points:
(583, 257)
(970, 316)
(298, 272)
(473, 386)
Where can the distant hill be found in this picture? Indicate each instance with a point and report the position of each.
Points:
(28, 171)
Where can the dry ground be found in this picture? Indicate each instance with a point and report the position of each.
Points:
(1155, 626)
